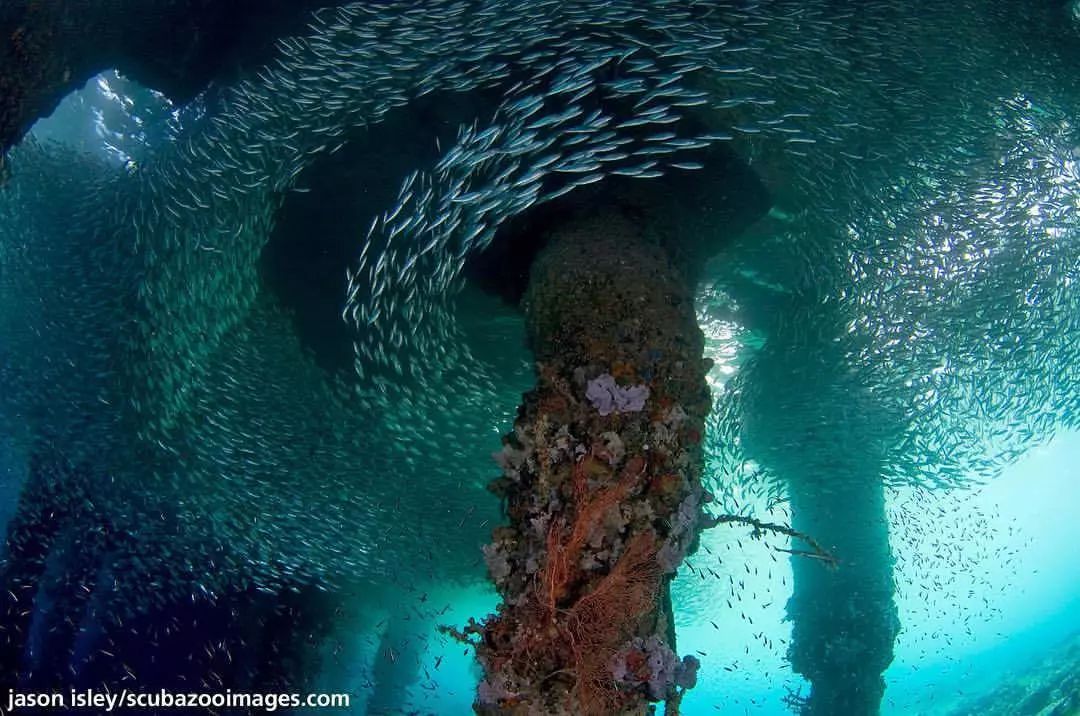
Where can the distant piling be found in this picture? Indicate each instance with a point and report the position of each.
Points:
(845, 619)
(815, 426)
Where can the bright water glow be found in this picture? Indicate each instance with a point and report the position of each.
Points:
(79, 120)
(1009, 590)
(963, 640)
(735, 624)
(1024, 607)
(447, 672)
(111, 117)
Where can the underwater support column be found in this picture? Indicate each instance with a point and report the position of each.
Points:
(601, 482)
(845, 619)
(819, 429)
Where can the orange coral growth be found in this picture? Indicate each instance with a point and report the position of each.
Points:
(601, 621)
(562, 558)
(587, 635)
(546, 636)
(557, 570)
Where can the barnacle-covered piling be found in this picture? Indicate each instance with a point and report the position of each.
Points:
(601, 480)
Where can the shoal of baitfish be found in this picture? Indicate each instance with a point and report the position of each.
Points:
(908, 147)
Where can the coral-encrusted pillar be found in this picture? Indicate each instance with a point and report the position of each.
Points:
(601, 482)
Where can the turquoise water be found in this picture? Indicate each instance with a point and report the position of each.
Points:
(988, 628)
(958, 642)
(257, 352)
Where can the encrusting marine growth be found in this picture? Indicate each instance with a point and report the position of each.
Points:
(601, 480)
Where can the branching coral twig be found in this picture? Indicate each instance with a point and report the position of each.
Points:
(817, 551)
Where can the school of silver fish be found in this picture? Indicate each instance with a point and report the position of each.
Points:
(924, 253)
